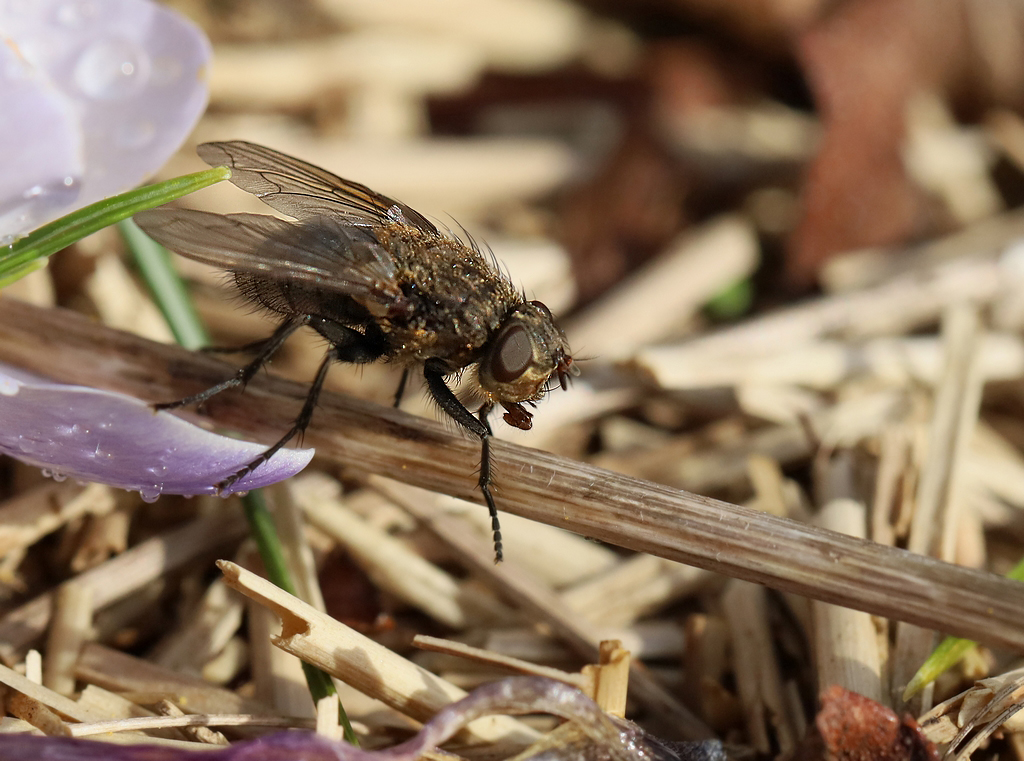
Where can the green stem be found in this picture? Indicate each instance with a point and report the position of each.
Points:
(25, 254)
(949, 652)
(261, 526)
(173, 300)
(169, 292)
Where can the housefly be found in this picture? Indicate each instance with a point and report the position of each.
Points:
(378, 281)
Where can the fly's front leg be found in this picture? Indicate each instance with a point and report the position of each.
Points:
(300, 425)
(434, 373)
(347, 345)
(267, 348)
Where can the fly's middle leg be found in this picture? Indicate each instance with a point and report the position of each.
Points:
(267, 349)
(347, 345)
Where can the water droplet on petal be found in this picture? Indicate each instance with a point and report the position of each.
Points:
(150, 493)
(54, 474)
(41, 198)
(112, 69)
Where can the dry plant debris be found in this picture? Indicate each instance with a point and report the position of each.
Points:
(787, 238)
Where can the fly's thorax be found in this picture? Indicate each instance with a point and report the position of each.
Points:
(454, 300)
(527, 350)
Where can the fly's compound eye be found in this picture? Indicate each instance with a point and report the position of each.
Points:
(513, 356)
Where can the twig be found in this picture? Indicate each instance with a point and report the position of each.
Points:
(146, 682)
(190, 720)
(371, 668)
(757, 671)
(846, 642)
(70, 628)
(541, 604)
(122, 575)
(618, 509)
(490, 658)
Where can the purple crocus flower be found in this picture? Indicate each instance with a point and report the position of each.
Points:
(92, 435)
(96, 97)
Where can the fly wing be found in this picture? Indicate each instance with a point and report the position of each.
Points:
(302, 190)
(323, 251)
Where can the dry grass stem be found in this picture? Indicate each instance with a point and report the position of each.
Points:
(145, 682)
(104, 536)
(615, 508)
(491, 658)
(697, 266)
(392, 564)
(558, 557)
(70, 628)
(268, 77)
(633, 588)
(611, 677)
(936, 506)
(202, 734)
(191, 720)
(46, 697)
(756, 668)
(364, 664)
(846, 641)
(207, 630)
(536, 600)
(38, 511)
(953, 420)
(288, 519)
(328, 712)
(106, 703)
(37, 714)
(825, 364)
(895, 306)
(985, 241)
(277, 676)
(122, 575)
(982, 704)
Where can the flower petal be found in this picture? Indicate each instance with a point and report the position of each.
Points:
(97, 96)
(115, 439)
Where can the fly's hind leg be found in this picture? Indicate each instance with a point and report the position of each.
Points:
(267, 348)
(347, 345)
(434, 374)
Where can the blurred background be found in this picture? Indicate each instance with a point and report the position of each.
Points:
(782, 237)
(610, 128)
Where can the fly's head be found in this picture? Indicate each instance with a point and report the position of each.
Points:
(526, 354)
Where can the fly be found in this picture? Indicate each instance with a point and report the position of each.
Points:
(378, 281)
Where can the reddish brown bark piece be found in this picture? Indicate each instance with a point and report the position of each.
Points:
(855, 728)
(350, 596)
(864, 63)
